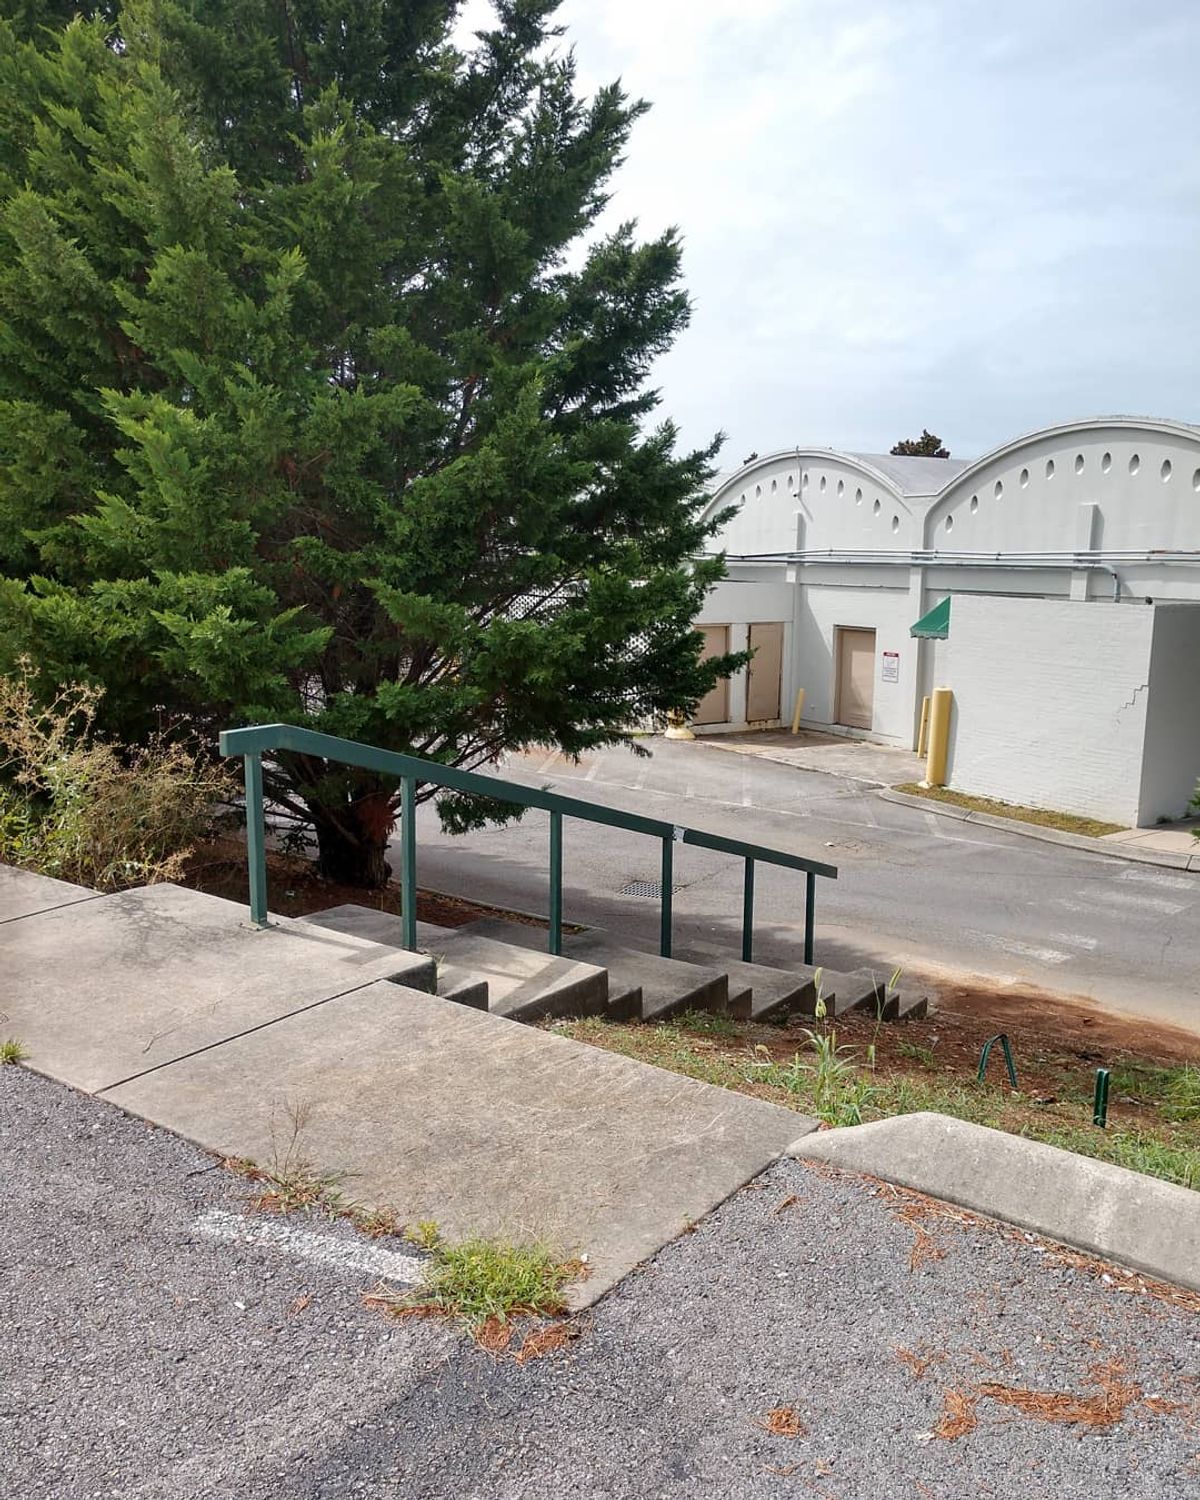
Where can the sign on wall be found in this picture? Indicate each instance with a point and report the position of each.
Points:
(891, 666)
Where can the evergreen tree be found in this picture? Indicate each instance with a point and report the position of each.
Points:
(928, 445)
(319, 399)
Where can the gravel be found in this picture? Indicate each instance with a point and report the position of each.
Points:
(144, 1357)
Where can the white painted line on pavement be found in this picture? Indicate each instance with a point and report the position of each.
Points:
(1022, 950)
(1168, 882)
(548, 762)
(1132, 902)
(343, 1254)
(1076, 940)
(591, 775)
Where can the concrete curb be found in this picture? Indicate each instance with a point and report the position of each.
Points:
(1168, 857)
(1107, 1211)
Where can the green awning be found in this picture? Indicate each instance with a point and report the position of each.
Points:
(936, 624)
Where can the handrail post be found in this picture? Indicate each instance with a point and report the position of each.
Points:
(408, 860)
(556, 882)
(810, 907)
(668, 885)
(256, 840)
(748, 913)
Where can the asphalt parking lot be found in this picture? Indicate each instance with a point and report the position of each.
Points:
(153, 1349)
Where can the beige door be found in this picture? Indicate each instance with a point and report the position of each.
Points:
(855, 677)
(713, 708)
(766, 672)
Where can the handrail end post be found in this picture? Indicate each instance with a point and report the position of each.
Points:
(748, 913)
(668, 891)
(810, 905)
(555, 942)
(408, 861)
(256, 839)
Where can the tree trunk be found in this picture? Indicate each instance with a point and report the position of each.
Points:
(352, 842)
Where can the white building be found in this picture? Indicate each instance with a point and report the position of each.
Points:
(1071, 562)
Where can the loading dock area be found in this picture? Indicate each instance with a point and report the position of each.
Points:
(845, 571)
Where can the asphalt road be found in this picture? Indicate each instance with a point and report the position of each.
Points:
(146, 1357)
(928, 893)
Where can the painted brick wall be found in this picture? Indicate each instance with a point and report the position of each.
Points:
(1050, 702)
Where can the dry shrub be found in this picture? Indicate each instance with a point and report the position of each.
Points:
(84, 809)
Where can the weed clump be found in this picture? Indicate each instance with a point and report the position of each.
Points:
(81, 808)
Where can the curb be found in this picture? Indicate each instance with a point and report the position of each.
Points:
(1106, 1211)
(1167, 857)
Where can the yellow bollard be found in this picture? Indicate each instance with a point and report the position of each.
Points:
(797, 711)
(923, 732)
(939, 737)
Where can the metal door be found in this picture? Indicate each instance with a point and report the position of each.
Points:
(855, 677)
(764, 688)
(713, 708)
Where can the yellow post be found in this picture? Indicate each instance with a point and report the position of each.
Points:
(939, 737)
(797, 711)
(678, 727)
(923, 732)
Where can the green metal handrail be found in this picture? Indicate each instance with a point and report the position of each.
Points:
(256, 740)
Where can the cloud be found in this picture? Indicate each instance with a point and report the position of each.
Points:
(945, 213)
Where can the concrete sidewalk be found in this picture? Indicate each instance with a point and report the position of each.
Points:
(831, 754)
(298, 1044)
(483, 1125)
(1173, 847)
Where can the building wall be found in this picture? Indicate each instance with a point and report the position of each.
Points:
(1050, 702)
(856, 598)
(1110, 488)
(747, 596)
(1171, 760)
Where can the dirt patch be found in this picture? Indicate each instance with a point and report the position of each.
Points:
(296, 890)
(1058, 1041)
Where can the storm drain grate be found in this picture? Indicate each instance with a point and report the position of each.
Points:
(652, 888)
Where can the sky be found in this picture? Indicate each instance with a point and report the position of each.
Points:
(976, 216)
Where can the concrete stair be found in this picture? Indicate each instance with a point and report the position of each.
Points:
(503, 966)
(447, 981)
(640, 985)
(758, 992)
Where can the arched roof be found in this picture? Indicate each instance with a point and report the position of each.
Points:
(932, 478)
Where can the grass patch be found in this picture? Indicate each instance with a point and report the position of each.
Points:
(705, 1023)
(836, 1084)
(11, 1053)
(1092, 828)
(480, 1283)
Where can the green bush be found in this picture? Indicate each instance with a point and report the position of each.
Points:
(87, 810)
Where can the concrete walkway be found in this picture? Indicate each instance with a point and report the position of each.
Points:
(834, 754)
(299, 1045)
(1173, 846)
